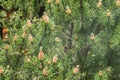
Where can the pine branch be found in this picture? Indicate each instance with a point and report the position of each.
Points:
(69, 40)
(44, 34)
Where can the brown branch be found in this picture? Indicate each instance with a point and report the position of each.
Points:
(69, 40)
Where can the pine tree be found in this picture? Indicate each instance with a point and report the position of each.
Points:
(59, 39)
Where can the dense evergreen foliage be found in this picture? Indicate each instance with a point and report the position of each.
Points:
(60, 39)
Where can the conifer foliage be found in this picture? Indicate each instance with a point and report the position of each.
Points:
(59, 39)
